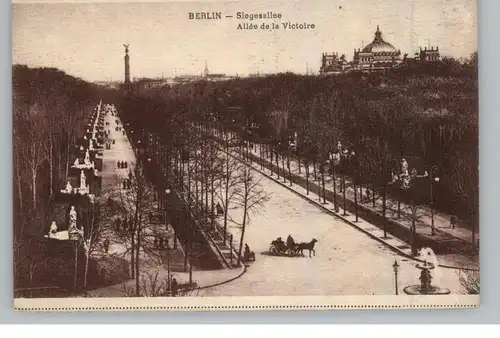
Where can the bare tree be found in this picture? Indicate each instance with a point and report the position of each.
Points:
(469, 279)
(137, 204)
(153, 285)
(251, 197)
(33, 150)
(96, 225)
(229, 185)
(465, 183)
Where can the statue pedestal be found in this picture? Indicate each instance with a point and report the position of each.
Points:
(75, 234)
(417, 290)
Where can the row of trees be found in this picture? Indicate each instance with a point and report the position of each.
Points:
(431, 121)
(50, 110)
(194, 164)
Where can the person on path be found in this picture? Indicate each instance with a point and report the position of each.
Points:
(220, 211)
(174, 287)
(247, 250)
(453, 221)
(161, 242)
(290, 242)
(106, 245)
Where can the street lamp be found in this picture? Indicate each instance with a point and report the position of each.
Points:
(334, 161)
(433, 178)
(387, 160)
(75, 236)
(395, 267)
(344, 155)
(348, 156)
(291, 147)
(405, 178)
(167, 192)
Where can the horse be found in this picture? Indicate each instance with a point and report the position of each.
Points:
(307, 246)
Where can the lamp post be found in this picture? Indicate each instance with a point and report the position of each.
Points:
(75, 236)
(167, 249)
(387, 159)
(167, 192)
(405, 178)
(354, 179)
(349, 156)
(87, 243)
(395, 267)
(291, 147)
(432, 178)
(334, 161)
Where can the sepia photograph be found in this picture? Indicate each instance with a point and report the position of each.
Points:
(245, 155)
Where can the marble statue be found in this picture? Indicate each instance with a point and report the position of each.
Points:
(87, 158)
(53, 228)
(91, 145)
(404, 167)
(69, 187)
(77, 162)
(72, 218)
(81, 148)
(83, 180)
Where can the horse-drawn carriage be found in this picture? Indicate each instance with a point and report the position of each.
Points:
(291, 248)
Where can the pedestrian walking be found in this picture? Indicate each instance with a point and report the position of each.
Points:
(453, 221)
(106, 245)
(220, 211)
(174, 287)
(368, 195)
(165, 242)
(161, 242)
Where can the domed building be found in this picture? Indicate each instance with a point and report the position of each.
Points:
(377, 56)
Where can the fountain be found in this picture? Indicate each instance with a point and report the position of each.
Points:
(425, 287)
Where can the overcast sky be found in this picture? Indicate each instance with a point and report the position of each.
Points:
(86, 40)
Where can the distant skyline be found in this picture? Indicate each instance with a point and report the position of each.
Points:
(86, 40)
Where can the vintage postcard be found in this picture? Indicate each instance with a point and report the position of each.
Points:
(245, 155)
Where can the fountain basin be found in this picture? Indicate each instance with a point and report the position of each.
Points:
(418, 290)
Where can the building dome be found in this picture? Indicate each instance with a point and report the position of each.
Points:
(379, 45)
